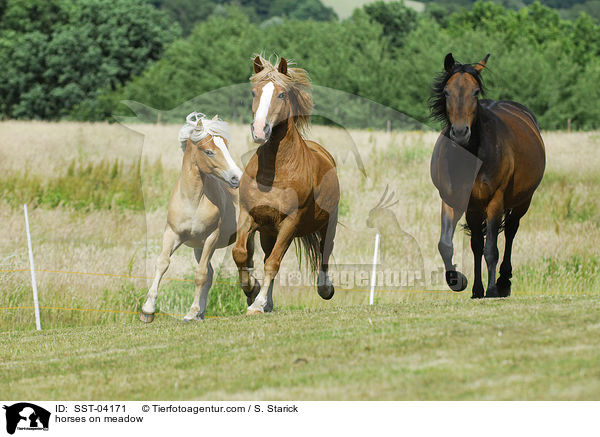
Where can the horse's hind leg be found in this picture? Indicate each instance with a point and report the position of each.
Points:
(267, 242)
(324, 286)
(198, 309)
(171, 242)
(475, 223)
(455, 280)
(243, 251)
(203, 278)
(510, 230)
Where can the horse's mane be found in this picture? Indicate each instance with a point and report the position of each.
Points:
(437, 101)
(196, 131)
(297, 84)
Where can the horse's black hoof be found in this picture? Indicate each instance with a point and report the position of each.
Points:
(503, 285)
(326, 291)
(492, 292)
(456, 280)
(478, 291)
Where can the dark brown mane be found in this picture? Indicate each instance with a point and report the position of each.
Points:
(297, 84)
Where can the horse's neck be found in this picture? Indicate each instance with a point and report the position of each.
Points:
(287, 143)
(192, 183)
(476, 142)
(284, 152)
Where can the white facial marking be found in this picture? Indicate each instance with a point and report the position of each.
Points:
(232, 165)
(264, 104)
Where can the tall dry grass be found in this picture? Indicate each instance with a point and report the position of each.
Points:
(555, 250)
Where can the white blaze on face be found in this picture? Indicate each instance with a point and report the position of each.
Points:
(260, 120)
(233, 170)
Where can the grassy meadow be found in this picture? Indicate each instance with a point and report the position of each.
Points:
(98, 194)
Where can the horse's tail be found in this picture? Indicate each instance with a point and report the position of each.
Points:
(467, 230)
(309, 248)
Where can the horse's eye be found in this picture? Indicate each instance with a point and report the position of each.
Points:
(253, 93)
(446, 93)
(281, 96)
(477, 91)
(210, 153)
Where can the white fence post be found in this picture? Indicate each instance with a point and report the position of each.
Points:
(36, 304)
(374, 271)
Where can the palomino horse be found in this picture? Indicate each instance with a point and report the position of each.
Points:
(505, 137)
(202, 209)
(289, 188)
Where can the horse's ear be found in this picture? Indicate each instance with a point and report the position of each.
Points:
(258, 66)
(216, 117)
(481, 64)
(282, 67)
(449, 62)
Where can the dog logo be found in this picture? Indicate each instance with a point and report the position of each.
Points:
(26, 416)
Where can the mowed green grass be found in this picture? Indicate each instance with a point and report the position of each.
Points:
(82, 184)
(424, 346)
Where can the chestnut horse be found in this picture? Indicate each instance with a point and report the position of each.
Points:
(289, 188)
(505, 137)
(202, 209)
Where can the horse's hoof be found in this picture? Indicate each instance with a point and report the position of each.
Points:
(253, 293)
(253, 312)
(146, 318)
(503, 286)
(192, 318)
(456, 280)
(492, 292)
(326, 291)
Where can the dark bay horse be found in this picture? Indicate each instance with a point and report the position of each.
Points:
(505, 138)
(289, 188)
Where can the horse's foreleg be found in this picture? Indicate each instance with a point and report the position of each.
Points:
(171, 242)
(455, 280)
(475, 223)
(324, 285)
(243, 252)
(267, 242)
(510, 230)
(203, 279)
(494, 212)
(282, 243)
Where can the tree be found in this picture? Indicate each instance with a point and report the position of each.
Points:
(396, 19)
(57, 54)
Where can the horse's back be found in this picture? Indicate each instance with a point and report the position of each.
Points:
(508, 108)
(518, 118)
(322, 151)
(529, 155)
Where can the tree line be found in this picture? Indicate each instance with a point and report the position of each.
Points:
(384, 52)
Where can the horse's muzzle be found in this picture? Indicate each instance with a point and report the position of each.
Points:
(256, 134)
(460, 135)
(234, 181)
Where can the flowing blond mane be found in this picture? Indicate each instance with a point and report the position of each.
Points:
(297, 84)
(198, 126)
